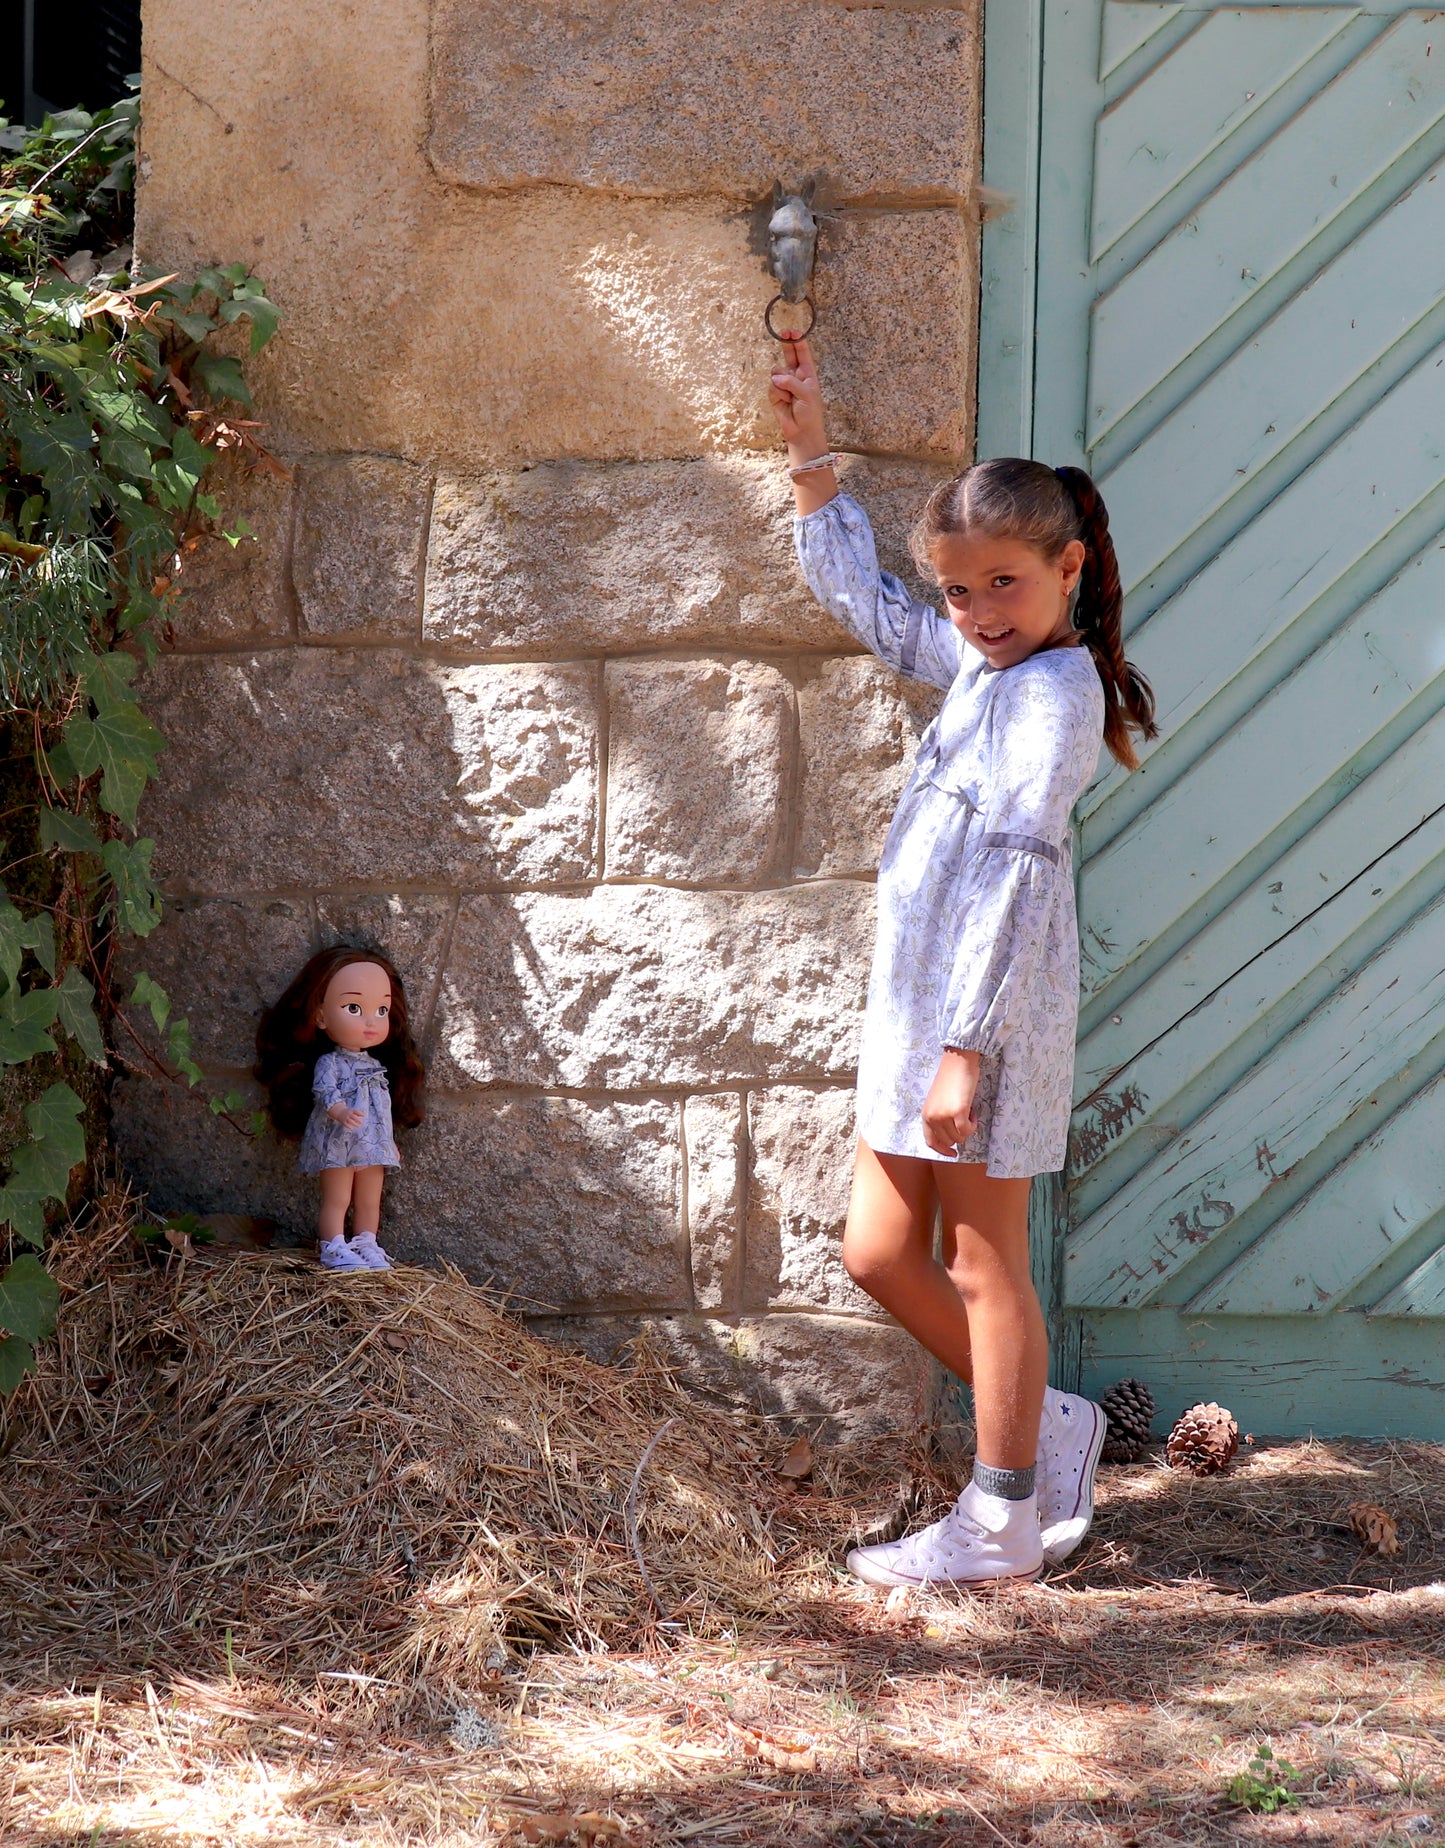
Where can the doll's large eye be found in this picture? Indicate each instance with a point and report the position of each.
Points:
(382, 1011)
(351, 1007)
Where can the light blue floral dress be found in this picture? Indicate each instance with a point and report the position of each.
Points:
(978, 944)
(358, 1081)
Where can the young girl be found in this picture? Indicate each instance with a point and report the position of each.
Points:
(966, 1065)
(336, 1058)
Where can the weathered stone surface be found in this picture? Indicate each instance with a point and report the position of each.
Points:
(188, 1161)
(800, 1172)
(569, 1204)
(701, 98)
(896, 296)
(859, 724)
(862, 1379)
(697, 758)
(221, 961)
(894, 490)
(360, 547)
(712, 1127)
(238, 593)
(316, 766)
(411, 930)
(567, 559)
(635, 987)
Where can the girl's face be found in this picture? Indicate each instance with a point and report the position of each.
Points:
(356, 1012)
(1004, 598)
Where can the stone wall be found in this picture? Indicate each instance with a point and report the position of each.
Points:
(518, 676)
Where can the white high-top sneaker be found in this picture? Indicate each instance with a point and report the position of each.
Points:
(1071, 1435)
(982, 1540)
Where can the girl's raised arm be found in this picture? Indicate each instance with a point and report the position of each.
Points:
(835, 541)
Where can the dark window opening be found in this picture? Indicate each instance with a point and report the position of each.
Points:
(65, 54)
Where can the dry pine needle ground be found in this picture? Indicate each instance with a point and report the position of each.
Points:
(294, 1558)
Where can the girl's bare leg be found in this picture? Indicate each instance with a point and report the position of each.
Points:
(366, 1196)
(335, 1199)
(986, 1252)
(888, 1251)
(977, 1311)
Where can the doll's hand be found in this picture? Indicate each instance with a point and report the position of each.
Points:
(948, 1118)
(346, 1116)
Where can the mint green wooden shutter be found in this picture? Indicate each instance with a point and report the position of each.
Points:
(1221, 288)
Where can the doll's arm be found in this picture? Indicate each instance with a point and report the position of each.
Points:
(326, 1089)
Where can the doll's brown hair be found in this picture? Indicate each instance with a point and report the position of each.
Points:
(289, 1042)
(1045, 508)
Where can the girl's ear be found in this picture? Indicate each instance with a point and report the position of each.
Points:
(1071, 563)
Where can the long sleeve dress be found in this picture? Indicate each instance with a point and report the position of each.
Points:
(358, 1081)
(978, 943)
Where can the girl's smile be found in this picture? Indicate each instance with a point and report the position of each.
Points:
(1004, 598)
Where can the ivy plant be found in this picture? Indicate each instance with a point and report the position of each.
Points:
(119, 390)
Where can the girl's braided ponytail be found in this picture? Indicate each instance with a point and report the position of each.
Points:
(1046, 508)
(1098, 616)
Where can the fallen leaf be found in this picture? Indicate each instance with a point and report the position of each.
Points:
(781, 1754)
(559, 1825)
(798, 1463)
(1373, 1528)
(179, 1241)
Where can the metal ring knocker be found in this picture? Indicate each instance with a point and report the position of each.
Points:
(812, 319)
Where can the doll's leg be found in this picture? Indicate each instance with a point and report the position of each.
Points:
(366, 1200)
(367, 1217)
(336, 1188)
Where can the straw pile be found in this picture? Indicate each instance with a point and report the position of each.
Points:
(240, 1462)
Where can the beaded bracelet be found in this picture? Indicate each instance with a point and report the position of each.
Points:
(806, 468)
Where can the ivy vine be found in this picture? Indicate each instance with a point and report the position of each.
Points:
(119, 391)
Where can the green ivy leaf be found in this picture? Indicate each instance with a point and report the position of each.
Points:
(76, 1010)
(107, 677)
(12, 942)
(178, 1049)
(60, 764)
(40, 938)
(24, 1020)
(29, 1298)
(137, 903)
(265, 317)
(122, 744)
(17, 1358)
(149, 994)
(223, 378)
(71, 833)
(54, 1119)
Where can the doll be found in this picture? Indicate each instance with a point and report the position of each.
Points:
(336, 1058)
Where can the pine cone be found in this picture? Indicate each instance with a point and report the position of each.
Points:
(1129, 1408)
(1203, 1441)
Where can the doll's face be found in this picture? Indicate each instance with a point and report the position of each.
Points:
(357, 1010)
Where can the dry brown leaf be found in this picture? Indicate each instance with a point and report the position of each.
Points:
(781, 1754)
(798, 1463)
(559, 1825)
(1374, 1528)
(179, 1241)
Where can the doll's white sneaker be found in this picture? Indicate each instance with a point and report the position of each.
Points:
(371, 1254)
(982, 1540)
(336, 1255)
(1071, 1435)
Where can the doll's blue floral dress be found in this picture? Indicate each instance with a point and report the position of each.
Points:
(978, 944)
(358, 1081)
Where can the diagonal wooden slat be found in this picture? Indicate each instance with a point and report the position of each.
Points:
(1353, 131)
(1177, 857)
(1344, 1230)
(1261, 399)
(1128, 26)
(1287, 1106)
(1211, 83)
(1320, 528)
(1421, 1294)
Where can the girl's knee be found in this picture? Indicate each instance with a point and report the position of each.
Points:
(865, 1261)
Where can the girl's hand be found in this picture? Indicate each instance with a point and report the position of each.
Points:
(346, 1116)
(797, 401)
(948, 1118)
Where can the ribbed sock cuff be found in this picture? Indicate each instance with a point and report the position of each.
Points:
(1007, 1484)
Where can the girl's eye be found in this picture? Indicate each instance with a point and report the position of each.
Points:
(1002, 583)
(956, 592)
